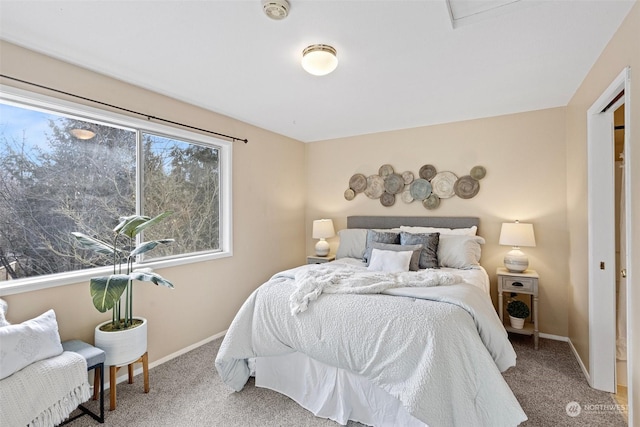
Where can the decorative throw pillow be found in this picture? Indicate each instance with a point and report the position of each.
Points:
(353, 242)
(28, 342)
(414, 264)
(379, 236)
(3, 313)
(470, 231)
(460, 251)
(389, 261)
(429, 243)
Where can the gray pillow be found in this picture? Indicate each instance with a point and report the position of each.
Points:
(414, 264)
(429, 243)
(379, 236)
(353, 242)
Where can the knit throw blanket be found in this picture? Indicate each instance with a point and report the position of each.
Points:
(44, 393)
(311, 281)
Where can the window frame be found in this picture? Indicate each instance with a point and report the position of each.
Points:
(23, 98)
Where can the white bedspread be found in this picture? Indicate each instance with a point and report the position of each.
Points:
(441, 358)
(45, 392)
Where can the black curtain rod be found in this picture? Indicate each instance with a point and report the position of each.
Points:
(233, 138)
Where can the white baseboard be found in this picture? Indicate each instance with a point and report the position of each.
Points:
(585, 372)
(138, 370)
(185, 350)
(553, 337)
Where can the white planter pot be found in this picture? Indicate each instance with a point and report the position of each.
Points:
(122, 347)
(516, 322)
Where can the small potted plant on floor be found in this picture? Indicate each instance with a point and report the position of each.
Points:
(124, 337)
(518, 311)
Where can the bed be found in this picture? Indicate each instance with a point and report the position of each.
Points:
(384, 341)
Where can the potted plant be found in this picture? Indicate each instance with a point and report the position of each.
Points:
(518, 311)
(124, 337)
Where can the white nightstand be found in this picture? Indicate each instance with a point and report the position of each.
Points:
(314, 259)
(520, 283)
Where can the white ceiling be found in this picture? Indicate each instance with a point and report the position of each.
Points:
(402, 63)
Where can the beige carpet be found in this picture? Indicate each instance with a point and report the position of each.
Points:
(187, 391)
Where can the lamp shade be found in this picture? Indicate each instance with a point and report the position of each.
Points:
(323, 228)
(319, 59)
(517, 234)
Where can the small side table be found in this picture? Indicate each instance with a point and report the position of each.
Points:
(95, 358)
(314, 259)
(525, 283)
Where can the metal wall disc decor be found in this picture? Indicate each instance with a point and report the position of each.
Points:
(478, 172)
(387, 199)
(466, 187)
(394, 183)
(349, 194)
(420, 189)
(375, 186)
(385, 170)
(358, 183)
(427, 172)
(431, 202)
(428, 187)
(406, 196)
(443, 183)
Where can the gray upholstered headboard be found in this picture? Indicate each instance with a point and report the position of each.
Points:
(415, 221)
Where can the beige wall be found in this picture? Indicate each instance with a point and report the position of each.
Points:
(524, 155)
(268, 219)
(536, 171)
(623, 50)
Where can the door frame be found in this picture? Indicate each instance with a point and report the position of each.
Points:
(601, 229)
(601, 226)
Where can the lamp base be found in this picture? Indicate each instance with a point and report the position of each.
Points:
(516, 261)
(322, 248)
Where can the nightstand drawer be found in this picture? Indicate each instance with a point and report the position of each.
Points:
(521, 284)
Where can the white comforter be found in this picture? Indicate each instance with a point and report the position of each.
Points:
(439, 350)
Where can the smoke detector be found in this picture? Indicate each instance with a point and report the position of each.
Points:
(276, 9)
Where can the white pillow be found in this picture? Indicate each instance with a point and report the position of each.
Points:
(389, 261)
(3, 313)
(455, 251)
(471, 231)
(353, 242)
(28, 342)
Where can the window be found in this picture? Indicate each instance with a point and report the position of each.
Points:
(65, 167)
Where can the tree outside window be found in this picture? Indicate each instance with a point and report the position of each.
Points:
(52, 183)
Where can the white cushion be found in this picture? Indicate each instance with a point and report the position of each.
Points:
(455, 251)
(3, 313)
(390, 261)
(471, 231)
(28, 342)
(414, 264)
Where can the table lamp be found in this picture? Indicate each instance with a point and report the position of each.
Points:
(516, 234)
(322, 229)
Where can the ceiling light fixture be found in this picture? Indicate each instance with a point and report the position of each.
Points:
(83, 133)
(319, 59)
(276, 9)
